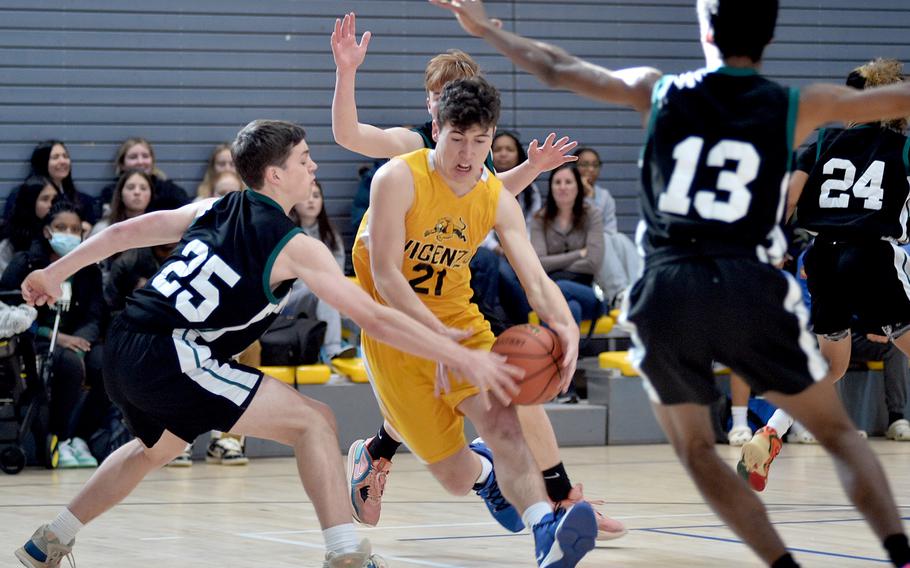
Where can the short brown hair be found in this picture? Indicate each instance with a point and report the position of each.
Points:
(448, 66)
(264, 143)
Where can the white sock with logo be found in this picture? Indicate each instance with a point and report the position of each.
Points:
(780, 421)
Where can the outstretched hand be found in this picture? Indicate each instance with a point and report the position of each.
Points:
(39, 289)
(552, 154)
(348, 54)
(471, 15)
(489, 371)
(568, 335)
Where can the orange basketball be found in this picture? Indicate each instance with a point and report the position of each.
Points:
(538, 351)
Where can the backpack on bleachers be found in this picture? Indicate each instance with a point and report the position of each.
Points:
(292, 341)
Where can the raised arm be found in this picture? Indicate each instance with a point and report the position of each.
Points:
(822, 103)
(309, 259)
(150, 229)
(541, 158)
(553, 65)
(348, 131)
(543, 294)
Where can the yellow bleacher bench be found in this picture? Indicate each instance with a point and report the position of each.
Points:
(283, 374)
(313, 374)
(617, 360)
(353, 368)
(603, 326)
(875, 365)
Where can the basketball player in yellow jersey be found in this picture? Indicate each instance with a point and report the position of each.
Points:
(369, 460)
(429, 211)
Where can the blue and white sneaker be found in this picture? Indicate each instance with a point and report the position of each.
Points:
(503, 511)
(563, 537)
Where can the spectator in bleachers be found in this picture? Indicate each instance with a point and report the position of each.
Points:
(220, 161)
(621, 263)
(51, 160)
(226, 182)
(33, 202)
(76, 361)
(133, 195)
(508, 154)
(896, 374)
(567, 234)
(138, 154)
(314, 221)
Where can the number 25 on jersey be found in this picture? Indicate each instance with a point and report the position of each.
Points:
(205, 267)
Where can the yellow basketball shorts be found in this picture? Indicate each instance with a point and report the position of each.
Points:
(432, 427)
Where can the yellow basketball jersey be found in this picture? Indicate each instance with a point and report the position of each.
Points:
(442, 232)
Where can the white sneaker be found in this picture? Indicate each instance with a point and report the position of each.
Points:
(899, 430)
(739, 435)
(82, 454)
(185, 459)
(67, 459)
(797, 436)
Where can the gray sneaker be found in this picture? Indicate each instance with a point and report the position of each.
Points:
(44, 550)
(363, 558)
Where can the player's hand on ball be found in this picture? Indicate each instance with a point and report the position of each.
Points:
(552, 154)
(489, 372)
(347, 52)
(568, 336)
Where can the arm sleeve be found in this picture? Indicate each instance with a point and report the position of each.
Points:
(90, 326)
(594, 242)
(15, 273)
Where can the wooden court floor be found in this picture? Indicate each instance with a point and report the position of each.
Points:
(254, 516)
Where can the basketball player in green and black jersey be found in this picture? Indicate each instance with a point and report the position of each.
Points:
(714, 183)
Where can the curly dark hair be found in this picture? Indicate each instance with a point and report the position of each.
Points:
(469, 102)
(741, 28)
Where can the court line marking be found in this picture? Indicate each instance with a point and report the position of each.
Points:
(162, 538)
(322, 547)
(737, 541)
(384, 527)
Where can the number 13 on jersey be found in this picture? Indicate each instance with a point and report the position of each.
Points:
(687, 156)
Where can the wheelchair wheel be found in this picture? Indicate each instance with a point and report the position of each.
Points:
(12, 460)
(51, 452)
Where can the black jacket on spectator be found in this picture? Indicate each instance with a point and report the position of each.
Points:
(88, 209)
(168, 195)
(125, 274)
(87, 313)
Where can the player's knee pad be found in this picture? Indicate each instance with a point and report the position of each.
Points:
(896, 331)
(837, 335)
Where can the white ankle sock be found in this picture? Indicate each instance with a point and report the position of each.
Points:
(780, 421)
(535, 513)
(739, 416)
(485, 471)
(65, 526)
(341, 539)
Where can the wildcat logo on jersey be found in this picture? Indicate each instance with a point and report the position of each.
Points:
(446, 229)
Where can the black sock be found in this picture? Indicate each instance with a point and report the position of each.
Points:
(785, 561)
(898, 549)
(557, 481)
(894, 417)
(382, 445)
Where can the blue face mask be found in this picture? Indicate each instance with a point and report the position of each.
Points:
(64, 243)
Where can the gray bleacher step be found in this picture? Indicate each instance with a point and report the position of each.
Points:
(357, 415)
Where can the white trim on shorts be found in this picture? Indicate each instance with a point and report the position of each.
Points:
(794, 304)
(217, 378)
(901, 261)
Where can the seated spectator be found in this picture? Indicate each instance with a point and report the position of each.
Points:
(51, 160)
(497, 291)
(622, 263)
(567, 234)
(226, 182)
(132, 197)
(896, 374)
(33, 202)
(507, 154)
(76, 361)
(314, 222)
(138, 154)
(220, 161)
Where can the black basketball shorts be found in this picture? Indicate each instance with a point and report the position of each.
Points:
(736, 311)
(168, 382)
(858, 284)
